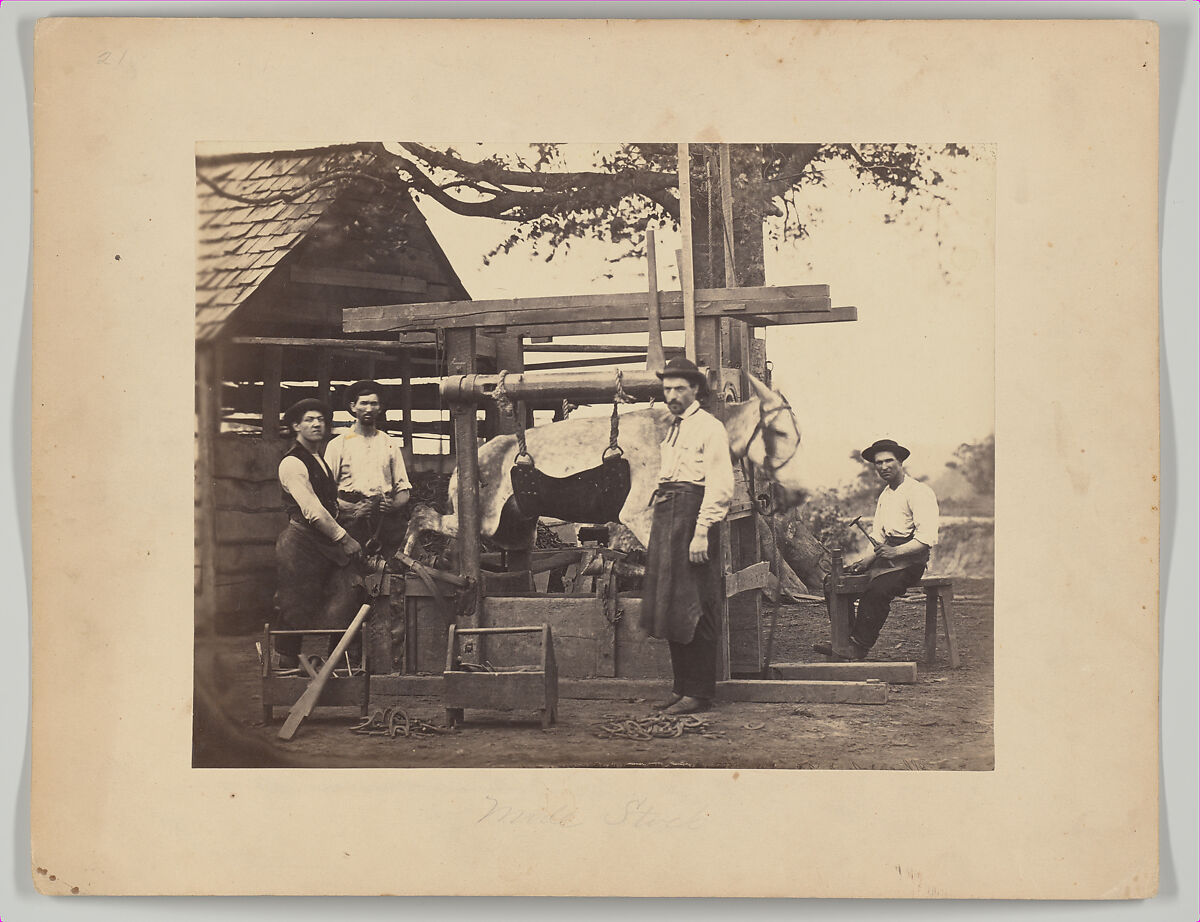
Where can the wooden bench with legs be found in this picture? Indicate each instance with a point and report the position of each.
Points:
(939, 597)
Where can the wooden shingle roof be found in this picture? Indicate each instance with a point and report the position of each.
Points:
(252, 210)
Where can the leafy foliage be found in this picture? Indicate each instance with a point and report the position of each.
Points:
(976, 461)
(633, 187)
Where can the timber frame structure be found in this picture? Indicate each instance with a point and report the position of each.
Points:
(725, 346)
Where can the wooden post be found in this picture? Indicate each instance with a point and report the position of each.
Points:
(460, 360)
(726, 177)
(510, 357)
(406, 409)
(272, 371)
(686, 279)
(208, 414)
(323, 380)
(655, 360)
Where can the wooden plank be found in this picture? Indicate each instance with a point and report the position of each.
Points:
(892, 673)
(802, 691)
(324, 380)
(508, 312)
(252, 460)
(751, 577)
(621, 327)
(762, 691)
(500, 691)
(237, 527)
(355, 278)
(833, 315)
(501, 320)
(245, 558)
(589, 363)
(684, 255)
(577, 622)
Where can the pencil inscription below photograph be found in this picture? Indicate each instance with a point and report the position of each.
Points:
(613, 455)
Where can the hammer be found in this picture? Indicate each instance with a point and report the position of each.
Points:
(875, 544)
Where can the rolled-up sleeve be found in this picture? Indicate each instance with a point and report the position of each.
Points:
(925, 515)
(718, 477)
(400, 479)
(293, 475)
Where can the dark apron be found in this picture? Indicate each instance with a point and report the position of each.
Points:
(914, 561)
(676, 591)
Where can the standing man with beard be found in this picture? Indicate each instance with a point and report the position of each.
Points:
(368, 468)
(315, 587)
(903, 532)
(694, 492)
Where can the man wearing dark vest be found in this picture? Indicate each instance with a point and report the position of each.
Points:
(695, 487)
(904, 530)
(314, 588)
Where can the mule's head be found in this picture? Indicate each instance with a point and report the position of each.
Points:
(765, 430)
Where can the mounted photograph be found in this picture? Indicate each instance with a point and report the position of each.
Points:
(607, 455)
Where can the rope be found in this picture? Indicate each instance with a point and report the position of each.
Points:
(614, 427)
(505, 404)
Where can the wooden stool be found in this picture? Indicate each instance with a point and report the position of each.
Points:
(533, 690)
(939, 591)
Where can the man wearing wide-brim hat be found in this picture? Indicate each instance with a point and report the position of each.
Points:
(314, 587)
(695, 487)
(903, 532)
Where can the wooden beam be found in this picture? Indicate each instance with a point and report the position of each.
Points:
(589, 363)
(683, 256)
(208, 403)
(323, 378)
(617, 689)
(319, 341)
(406, 409)
(802, 691)
(460, 360)
(353, 278)
(892, 673)
(655, 358)
(406, 318)
(836, 315)
(272, 370)
(606, 348)
(726, 178)
(607, 327)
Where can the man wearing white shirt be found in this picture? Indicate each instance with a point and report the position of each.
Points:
(903, 532)
(312, 553)
(368, 468)
(695, 487)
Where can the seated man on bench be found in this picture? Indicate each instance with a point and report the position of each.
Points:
(904, 531)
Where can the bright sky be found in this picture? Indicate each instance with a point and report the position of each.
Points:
(917, 366)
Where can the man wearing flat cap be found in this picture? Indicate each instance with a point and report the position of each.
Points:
(368, 468)
(312, 554)
(903, 532)
(695, 487)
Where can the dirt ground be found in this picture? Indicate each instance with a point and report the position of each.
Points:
(944, 722)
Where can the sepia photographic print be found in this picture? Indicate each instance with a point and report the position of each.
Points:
(711, 450)
(728, 413)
